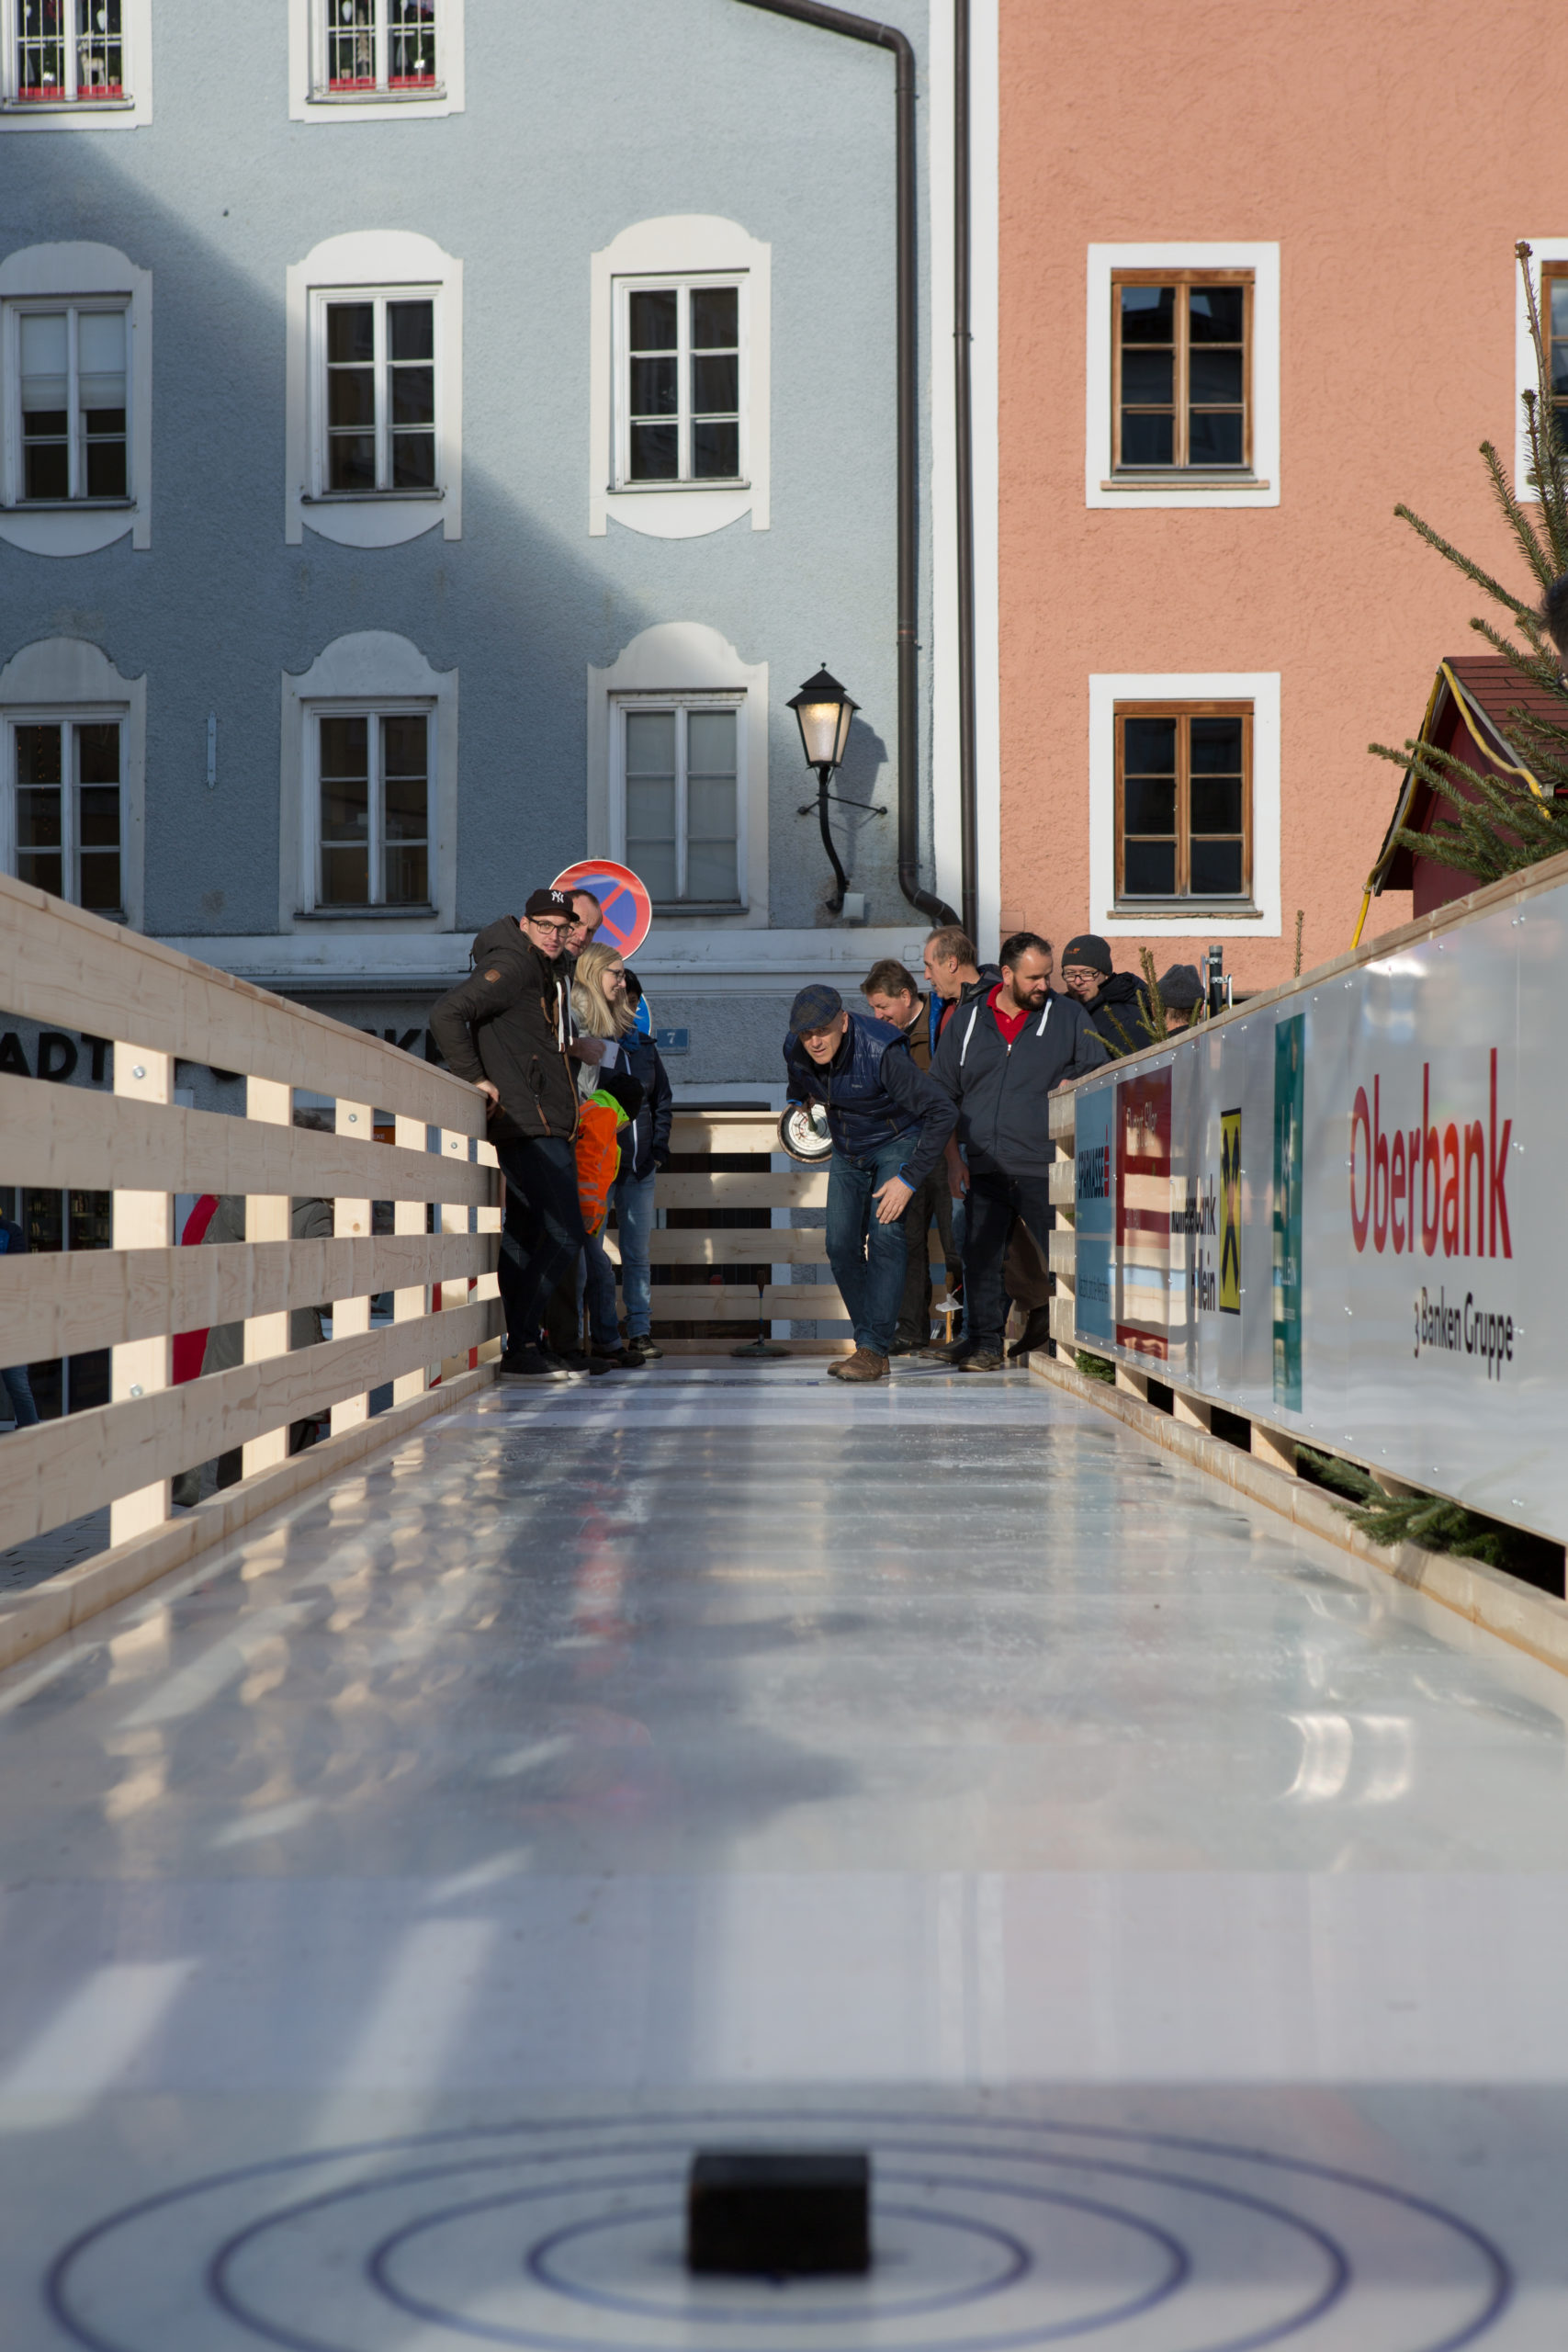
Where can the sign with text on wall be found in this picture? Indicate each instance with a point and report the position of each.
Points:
(1339, 1214)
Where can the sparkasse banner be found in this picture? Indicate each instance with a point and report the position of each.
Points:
(1338, 1214)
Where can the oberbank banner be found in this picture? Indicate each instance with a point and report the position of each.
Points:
(1341, 1213)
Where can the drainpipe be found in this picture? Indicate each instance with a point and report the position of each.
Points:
(968, 795)
(865, 28)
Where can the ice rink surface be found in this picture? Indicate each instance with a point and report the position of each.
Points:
(1177, 1911)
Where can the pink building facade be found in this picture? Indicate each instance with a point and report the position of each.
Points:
(1256, 283)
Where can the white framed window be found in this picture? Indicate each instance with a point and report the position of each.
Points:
(374, 391)
(75, 376)
(66, 771)
(681, 779)
(369, 787)
(373, 429)
(75, 64)
(1183, 385)
(371, 803)
(1184, 804)
(678, 413)
(70, 364)
(73, 734)
(678, 771)
(677, 389)
(374, 59)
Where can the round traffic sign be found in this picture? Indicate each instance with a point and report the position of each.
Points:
(628, 910)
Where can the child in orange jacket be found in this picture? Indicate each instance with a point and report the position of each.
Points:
(611, 1108)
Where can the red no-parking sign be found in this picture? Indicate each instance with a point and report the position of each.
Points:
(628, 910)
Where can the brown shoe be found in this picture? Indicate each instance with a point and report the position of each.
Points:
(864, 1364)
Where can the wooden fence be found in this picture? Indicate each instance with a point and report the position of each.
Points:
(70, 969)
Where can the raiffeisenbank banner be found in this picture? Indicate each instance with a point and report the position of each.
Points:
(1343, 1212)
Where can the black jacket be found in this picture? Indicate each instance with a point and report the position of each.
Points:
(648, 1146)
(874, 1094)
(510, 1021)
(938, 1007)
(1002, 1091)
(1119, 1011)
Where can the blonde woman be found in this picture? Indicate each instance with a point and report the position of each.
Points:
(598, 1003)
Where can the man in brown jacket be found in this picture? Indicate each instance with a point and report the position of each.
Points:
(894, 996)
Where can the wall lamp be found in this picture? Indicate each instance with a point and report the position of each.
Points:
(823, 712)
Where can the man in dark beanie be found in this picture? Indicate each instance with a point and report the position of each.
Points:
(1182, 993)
(1117, 1004)
(507, 1029)
(889, 1123)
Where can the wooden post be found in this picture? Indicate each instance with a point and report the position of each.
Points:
(1188, 1410)
(409, 1306)
(267, 1219)
(350, 1216)
(488, 1220)
(141, 1221)
(1273, 1447)
(454, 1220)
(1137, 1383)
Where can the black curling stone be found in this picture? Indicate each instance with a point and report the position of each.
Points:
(784, 2214)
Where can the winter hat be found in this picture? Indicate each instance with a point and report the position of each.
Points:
(815, 1007)
(1088, 949)
(549, 903)
(1181, 989)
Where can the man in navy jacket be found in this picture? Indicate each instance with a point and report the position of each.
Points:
(999, 1057)
(889, 1125)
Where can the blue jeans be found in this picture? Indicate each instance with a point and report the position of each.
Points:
(19, 1388)
(634, 1219)
(868, 1259)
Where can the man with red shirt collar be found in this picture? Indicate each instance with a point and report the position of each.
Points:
(999, 1057)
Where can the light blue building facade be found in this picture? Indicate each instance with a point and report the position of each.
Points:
(439, 436)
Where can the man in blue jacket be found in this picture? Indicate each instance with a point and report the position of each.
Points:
(1000, 1055)
(889, 1125)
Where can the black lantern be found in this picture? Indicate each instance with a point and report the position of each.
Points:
(824, 712)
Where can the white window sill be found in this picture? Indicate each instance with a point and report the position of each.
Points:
(28, 107)
(1186, 477)
(377, 98)
(1183, 911)
(704, 907)
(68, 506)
(369, 497)
(641, 489)
(423, 914)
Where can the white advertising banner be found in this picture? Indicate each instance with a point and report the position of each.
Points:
(1335, 1214)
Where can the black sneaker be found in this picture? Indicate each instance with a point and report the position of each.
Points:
(979, 1360)
(616, 1359)
(643, 1349)
(531, 1364)
(946, 1351)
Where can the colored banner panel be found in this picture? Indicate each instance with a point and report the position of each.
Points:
(1339, 1214)
(1289, 1097)
(1093, 1217)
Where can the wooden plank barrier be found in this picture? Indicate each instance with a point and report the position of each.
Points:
(64, 967)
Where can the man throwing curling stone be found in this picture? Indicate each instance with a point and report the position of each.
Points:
(889, 1124)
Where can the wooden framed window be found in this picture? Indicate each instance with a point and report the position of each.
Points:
(1554, 326)
(1183, 802)
(1181, 370)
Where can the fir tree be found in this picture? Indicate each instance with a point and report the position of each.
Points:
(1500, 822)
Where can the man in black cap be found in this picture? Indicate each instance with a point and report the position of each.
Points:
(888, 1123)
(1117, 1004)
(507, 1029)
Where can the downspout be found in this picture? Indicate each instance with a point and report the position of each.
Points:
(865, 28)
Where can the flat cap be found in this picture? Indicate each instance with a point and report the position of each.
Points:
(815, 1007)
